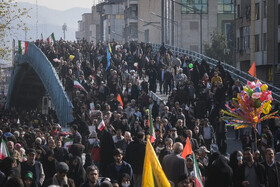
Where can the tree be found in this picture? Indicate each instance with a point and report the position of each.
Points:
(12, 19)
(220, 48)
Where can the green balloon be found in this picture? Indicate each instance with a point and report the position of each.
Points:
(190, 65)
(257, 103)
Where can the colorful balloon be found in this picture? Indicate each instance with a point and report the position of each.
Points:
(258, 89)
(251, 85)
(256, 95)
(264, 87)
(257, 103)
(266, 108)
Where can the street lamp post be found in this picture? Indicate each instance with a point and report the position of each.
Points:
(172, 21)
(200, 17)
(64, 28)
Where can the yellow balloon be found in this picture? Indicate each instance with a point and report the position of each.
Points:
(266, 108)
(264, 87)
(245, 89)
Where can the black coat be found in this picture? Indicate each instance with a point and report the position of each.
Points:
(135, 154)
(260, 171)
(277, 170)
(219, 173)
(113, 174)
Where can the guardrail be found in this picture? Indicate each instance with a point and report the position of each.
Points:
(155, 97)
(234, 72)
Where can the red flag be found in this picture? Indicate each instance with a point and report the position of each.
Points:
(187, 149)
(120, 99)
(252, 70)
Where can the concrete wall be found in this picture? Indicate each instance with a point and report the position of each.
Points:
(151, 23)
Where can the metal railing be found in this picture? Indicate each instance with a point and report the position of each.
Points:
(47, 73)
(234, 72)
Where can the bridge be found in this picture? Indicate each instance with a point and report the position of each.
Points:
(32, 78)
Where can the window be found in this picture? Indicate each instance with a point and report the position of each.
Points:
(238, 44)
(264, 42)
(119, 16)
(278, 16)
(109, 29)
(264, 9)
(257, 9)
(133, 11)
(225, 6)
(194, 6)
(133, 30)
(146, 36)
(238, 11)
(245, 34)
(257, 43)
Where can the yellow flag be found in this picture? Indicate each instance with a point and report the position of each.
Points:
(153, 174)
(109, 47)
(71, 57)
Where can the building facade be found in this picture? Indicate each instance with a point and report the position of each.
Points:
(89, 26)
(257, 41)
(113, 21)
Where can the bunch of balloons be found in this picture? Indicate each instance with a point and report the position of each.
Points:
(247, 109)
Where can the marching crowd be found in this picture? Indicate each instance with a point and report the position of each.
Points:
(111, 123)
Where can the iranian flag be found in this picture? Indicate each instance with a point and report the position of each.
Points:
(22, 47)
(53, 38)
(197, 175)
(79, 86)
(3, 150)
(101, 125)
(151, 127)
(68, 143)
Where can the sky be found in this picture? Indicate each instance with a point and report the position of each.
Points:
(63, 4)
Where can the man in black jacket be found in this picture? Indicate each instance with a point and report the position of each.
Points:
(135, 154)
(272, 168)
(119, 167)
(34, 166)
(251, 173)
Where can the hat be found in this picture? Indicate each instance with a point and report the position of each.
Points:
(189, 157)
(173, 129)
(31, 151)
(203, 149)
(28, 175)
(62, 167)
(214, 148)
(132, 71)
(18, 145)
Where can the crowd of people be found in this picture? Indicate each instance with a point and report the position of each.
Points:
(106, 143)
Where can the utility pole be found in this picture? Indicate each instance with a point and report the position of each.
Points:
(252, 33)
(200, 27)
(234, 33)
(64, 28)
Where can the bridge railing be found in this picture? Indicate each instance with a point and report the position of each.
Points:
(234, 72)
(49, 78)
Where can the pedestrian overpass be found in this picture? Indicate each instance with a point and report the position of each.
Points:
(34, 77)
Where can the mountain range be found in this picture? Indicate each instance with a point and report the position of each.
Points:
(51, 20)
